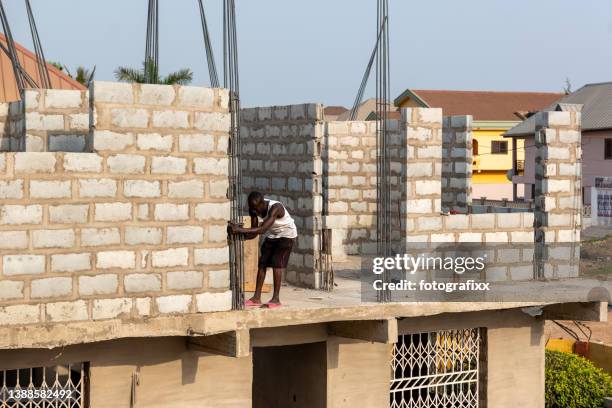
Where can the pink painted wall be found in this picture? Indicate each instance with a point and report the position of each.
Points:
(593, 162)
(494, 191)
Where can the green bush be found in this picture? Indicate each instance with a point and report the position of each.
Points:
(574, 382)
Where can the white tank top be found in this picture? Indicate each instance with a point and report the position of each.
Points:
(283, 227)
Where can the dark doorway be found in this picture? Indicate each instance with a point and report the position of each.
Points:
(290, 376)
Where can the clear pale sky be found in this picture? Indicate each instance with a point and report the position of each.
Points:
(316, 50)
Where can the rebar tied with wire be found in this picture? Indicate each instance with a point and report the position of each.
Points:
(383, 167)
(231, 82)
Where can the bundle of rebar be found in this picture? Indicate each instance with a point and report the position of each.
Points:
(11, 51)
(41, 62)
(383, 167)
(231, 82)
(151, 62)
(210, 59)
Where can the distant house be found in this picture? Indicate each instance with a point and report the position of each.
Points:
(494, 113)
(8, 85)
(596, 101)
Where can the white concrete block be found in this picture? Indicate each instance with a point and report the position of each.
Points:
(64, 238)
(20, 214)
(98, 285)
(184, 280)
(111, 308)
(214, 302)
(70, 262)
(97, 188)
(171, 257)
(13, 265)
(116, 259)
(93, 237)
(50, 287)
(83, 162)
(174, 304)
(67, 311)
(142, 282)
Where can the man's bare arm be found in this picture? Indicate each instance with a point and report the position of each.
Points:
(254, 224)
(275, 212)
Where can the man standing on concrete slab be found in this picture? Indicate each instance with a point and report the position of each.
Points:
(280, 234)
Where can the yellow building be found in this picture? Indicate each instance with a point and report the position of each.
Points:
(493, 114)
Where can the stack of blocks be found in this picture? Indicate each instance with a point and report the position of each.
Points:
(457, 164)
(558, 191)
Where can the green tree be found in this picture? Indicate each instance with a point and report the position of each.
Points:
(83, 75)
(56, 65)
(150, 74)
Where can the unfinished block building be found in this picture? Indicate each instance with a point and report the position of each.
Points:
(114, 276)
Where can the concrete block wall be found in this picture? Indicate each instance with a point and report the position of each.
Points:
(281, 152)
(56, 120)
(135, 229)
(457, 158)
(12, 121)
(423, 222)
(349, 181)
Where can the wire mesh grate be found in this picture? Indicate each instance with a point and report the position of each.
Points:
(61, 386)
(437, 369)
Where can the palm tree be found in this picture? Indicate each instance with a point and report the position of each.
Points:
(150, 74)
(84, 76)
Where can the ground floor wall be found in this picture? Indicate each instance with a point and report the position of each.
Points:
(295, 366)
(168, 374)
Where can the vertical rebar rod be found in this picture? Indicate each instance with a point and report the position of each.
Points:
(231, 81)
(151, 64)
(383, 191)
(41, 62)
(10, 45)
(210, 57)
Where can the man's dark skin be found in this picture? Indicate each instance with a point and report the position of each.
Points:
(260, 207)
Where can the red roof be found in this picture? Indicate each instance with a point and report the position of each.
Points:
(482, 105)
(8, 86)
(334, 110)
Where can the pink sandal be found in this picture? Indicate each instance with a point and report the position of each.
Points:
(271, 305)
(250, 303)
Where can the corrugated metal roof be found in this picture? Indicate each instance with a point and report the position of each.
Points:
(596, 110)
(482, 105)
(8, 86)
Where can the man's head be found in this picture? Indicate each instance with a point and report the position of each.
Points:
(257, 204)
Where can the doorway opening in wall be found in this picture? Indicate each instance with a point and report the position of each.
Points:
(440, 369)
(290, 376)
(57, 386)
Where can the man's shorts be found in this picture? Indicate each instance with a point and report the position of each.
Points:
(275, 252)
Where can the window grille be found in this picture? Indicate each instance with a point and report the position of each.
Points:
(440, 369)
(61, 386)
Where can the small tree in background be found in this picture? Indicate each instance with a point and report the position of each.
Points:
(149, 70)
(84, 76)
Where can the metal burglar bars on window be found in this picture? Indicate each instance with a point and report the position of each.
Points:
(437, 369)
(61, 386)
